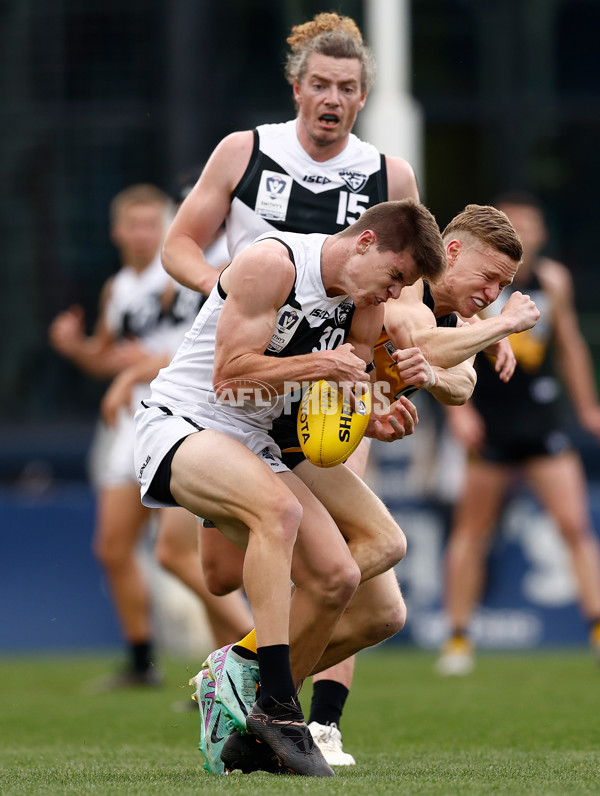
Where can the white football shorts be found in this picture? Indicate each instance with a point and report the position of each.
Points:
(157, 431)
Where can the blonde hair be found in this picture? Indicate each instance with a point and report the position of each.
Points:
(489, 226)
(140, 194)
(328, 34)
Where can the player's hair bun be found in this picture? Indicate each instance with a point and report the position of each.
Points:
(326, 22)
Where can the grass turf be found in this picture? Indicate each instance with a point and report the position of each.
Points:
(521, 724)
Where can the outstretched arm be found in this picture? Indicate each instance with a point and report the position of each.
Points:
(98, 355)
(203, 212)
(451, 386)
(574, 358)
(410, 323)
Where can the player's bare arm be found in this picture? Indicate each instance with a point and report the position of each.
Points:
(257, 284)
(365, 330)
(402, 183)
(98, 355)
(410, 323)
(203, 212)
(450, 386)
(573, 354)
(454, 386)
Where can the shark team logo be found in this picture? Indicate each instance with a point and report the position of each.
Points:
(355, 180)
(342, 313)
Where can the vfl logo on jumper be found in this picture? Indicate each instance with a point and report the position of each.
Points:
(275, 185)
(354, 180)
(273, 196)
(288, 321)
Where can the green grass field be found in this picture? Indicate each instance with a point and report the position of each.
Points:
(521, 724)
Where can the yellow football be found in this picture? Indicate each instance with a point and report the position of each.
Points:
(329, 430)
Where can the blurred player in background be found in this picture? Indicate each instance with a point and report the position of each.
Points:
(143, 315)
(310, 174)
(176, 547)
(521, 424)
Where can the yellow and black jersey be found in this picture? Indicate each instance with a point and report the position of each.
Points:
(529, 407)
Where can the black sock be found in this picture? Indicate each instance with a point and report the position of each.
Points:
(328, 700)
(141, 655)
(276, 682)
(244, 653)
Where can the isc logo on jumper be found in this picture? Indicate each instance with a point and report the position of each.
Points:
(273, 195)
(320, 179)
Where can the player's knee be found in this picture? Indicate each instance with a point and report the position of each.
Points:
(164, 554)
(349, 580)
(280, 519)
(393, 547)
(395, 619)
(385, 620)
(333, 584)
(337, 586)
(401, 544)
(108, 554)
(290, 512)
(576, 533)
(221, 579)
